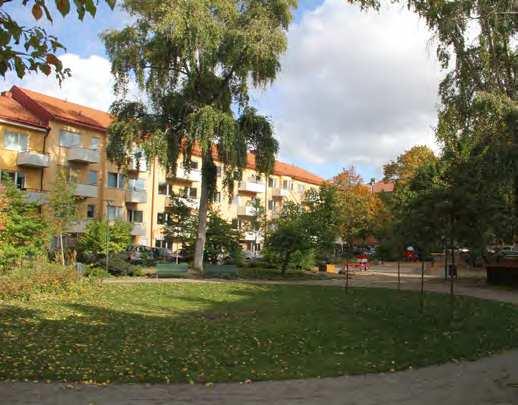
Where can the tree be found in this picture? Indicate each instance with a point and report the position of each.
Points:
(63, 208)
(357, 207)
(479, 94)
(222, 239)
(289, 236)
(103, 237)
(181, 224)
(196, 60)
(404, 168)
(23, 232)
(30, 49)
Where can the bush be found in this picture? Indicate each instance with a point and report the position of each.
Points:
(37, 278)
(96, 272)
(119, 266)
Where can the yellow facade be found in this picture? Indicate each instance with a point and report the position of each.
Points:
(139, 194)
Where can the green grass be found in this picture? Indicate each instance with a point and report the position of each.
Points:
(233, 332)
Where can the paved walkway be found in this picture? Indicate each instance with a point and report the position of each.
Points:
(492, 380)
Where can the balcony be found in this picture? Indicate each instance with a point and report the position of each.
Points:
(181, 174)
(85, 191)
(78, 226)
(37, 197)
(251, 187)
(32, 159)
(246, 211)
(280, 192)
(190, 202)
(83, 155)
(136, 196)
(137, 165)
(138, 230)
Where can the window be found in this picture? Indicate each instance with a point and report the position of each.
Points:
(90, 211)
(219, 170)
(73, 175)
(301, 188)
(94, 143)
(162, 218)
(217, 197)
(114, 212)
(136, 216)
(15, 141)
(285, 184)
(193, 192)
(68, 139)
(17, 178)
(162, 243)
(92, 178)
(194, 165)
(163, 189)
(270, 204)
(116, 180)
(136, 185)
(272, 183)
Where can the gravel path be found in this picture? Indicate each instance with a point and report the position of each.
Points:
(492, 380)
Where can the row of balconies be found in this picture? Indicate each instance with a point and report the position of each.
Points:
(75, 154)
(80, 227)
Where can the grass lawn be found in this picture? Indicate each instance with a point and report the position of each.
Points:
(233, 332)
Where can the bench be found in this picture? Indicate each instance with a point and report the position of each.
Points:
(171, 269)
(220, 271)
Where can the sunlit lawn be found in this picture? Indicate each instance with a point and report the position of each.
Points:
(233, 332)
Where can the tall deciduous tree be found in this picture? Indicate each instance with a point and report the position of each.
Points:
(196, 61)
(477, 47)
(29, 48)
(404, 168)
(63, 208)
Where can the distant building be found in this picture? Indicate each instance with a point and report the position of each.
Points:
(40, 135)
(382, 187)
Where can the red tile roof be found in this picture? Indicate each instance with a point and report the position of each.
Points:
(11, 110)
(49, 107)
(382, 186)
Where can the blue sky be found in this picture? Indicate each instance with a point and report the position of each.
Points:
(356, 88)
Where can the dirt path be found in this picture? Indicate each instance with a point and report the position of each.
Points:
(492, 380)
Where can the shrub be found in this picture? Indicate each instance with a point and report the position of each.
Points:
(119, 266)
(38, 278)
(96, 272)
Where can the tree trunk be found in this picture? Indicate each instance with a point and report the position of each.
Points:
(62, 248)
(285, 263)
(202, 226)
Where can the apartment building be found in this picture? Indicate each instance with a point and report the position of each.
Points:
(40, 135)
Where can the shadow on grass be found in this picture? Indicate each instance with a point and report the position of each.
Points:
(229, 332)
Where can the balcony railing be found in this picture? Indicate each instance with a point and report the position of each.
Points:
(136, 196)
(85, 191)
(280, 192)
(32, 159)
(83, 155)
(138, 230)
(246, 211)
(251, 186)
(181, 174)
(190, 202)
(78, 226)
(36, 197)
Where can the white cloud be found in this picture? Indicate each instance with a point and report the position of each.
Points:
(356, 87)
(91, 83)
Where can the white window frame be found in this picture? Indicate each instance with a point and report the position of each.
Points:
(118, 212)
(75, 135)
(17, 145)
